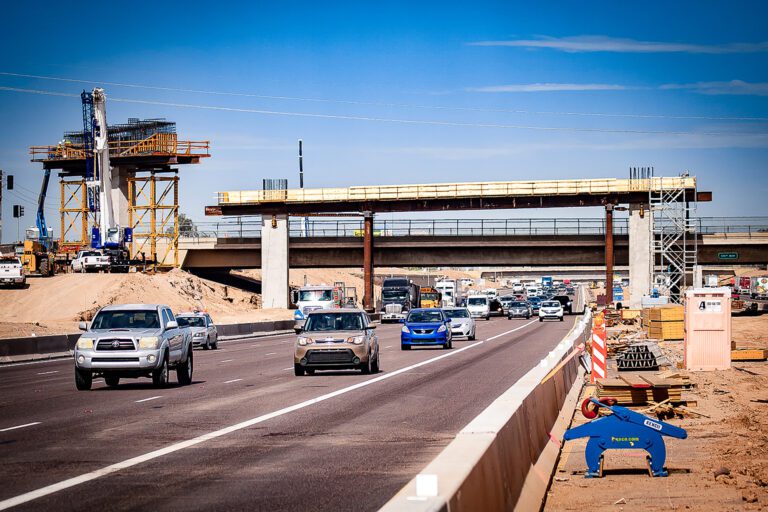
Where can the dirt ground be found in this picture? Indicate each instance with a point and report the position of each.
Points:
(54, 305)
(722, 465)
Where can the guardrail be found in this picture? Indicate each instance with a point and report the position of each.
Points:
(312, 227)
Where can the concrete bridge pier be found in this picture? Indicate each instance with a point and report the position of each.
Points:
(275, 290)
(640, 253)
(368, 304)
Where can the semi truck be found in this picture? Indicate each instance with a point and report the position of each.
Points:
(398, 296)
(447, 288)
(313, 297)
(759, 288)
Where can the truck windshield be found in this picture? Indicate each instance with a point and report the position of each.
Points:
(315, 295)
(334, 322)
(398, 295)
(126, 320)
(456, 313)
(425, 317)
(190, 321)
(477, 301)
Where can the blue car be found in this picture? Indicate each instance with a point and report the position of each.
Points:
(426, 327)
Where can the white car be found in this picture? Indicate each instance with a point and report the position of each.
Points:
(479, 306)
(550, 309)
(462, 323)
(518, 288)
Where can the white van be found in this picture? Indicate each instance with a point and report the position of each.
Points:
(479, 306)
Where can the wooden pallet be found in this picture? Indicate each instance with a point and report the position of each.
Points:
(666, 330)
(669, 313)
(641, 388)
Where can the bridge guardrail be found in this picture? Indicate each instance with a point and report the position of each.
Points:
(309, 227)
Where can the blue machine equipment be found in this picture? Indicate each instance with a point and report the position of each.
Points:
(624, 429)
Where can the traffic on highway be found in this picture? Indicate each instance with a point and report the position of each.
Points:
(225, 435)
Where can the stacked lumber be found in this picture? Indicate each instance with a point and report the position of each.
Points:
(747, 354)
(665, 323)
(643, 388)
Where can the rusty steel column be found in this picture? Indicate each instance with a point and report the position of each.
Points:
(368, 261)
(608, 254)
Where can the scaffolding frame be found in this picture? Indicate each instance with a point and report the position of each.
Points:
(153, 213)
(673, 239)
(75, 213)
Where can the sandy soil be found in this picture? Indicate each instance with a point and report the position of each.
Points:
(722, 465)
(55, 305)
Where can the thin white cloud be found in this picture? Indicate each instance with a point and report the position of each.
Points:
(735, 87)
(578, 44)
(549, 87)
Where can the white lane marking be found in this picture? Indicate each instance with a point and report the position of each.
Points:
(48, 373)
(271, 354)
(56, 360)
(511, 331)
(113, 468)
(226, 360)
(20, 426)
(289, 368)
(388, 346)
(148, 399)
(231, 381)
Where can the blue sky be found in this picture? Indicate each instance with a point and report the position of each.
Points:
(491, 90)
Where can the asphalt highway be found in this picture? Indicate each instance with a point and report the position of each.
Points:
(248, 434)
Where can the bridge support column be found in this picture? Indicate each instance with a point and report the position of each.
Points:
(274, 261)
(368, 304)
(608, 254)
(640, 254)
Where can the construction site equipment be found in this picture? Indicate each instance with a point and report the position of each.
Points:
(642, 356)
(624, 429)
(707, 329)
(137, 150)
(39, 248)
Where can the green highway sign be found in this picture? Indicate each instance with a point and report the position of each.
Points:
(727, 255)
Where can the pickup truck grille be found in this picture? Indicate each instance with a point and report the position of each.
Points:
(115, 359)
(330, 357)
(115, 344)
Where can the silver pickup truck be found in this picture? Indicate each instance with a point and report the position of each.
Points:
(133, 340)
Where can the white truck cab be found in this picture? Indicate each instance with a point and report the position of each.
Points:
(479, 306)
(312, 298)
(12, 272)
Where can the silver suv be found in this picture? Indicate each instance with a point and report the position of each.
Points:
(133, 340)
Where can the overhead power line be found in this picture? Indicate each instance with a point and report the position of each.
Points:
(387, 105)
(383, 119)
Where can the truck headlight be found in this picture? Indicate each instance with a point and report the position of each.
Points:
(198, 335)
(303, 340)
(149, 343)
(406, 330)
(357, 340)
(85, 343)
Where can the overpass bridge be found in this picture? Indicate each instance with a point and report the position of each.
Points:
(646, 197)
(468, 243)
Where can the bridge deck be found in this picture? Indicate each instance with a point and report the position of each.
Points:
(446, 196)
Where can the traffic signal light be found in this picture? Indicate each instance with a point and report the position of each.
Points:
(18, 211)
(10, 182)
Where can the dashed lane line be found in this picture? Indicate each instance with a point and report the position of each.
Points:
(148, 399)
(231, 381)
(20, 426)
(119, 466)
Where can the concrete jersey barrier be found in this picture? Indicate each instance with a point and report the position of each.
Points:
(485, 466)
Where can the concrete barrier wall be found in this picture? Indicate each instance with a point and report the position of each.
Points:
(14, 349)
(485, 466)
